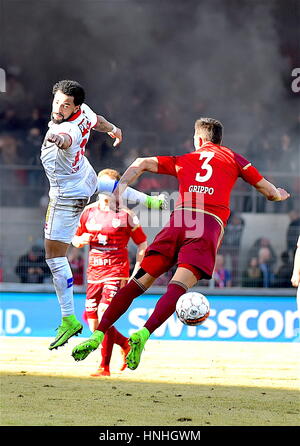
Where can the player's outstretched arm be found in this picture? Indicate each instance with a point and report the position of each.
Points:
(271, 192)
(62, 140)
(107, 127)
(133, 172)
(132, 195)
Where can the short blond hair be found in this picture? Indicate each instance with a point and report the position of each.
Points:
(209, 129)
(114, 174)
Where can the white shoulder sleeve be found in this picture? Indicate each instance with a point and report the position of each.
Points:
(91, 115)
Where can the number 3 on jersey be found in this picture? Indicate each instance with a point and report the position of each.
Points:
(206, 157)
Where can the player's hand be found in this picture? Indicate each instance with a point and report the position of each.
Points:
(284, 195)
(81, 240)
(295, 279)
(56, 139)
(86, 238)
(117, 135)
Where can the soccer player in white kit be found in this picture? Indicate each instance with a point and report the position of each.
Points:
(72, 182)
(295, 279)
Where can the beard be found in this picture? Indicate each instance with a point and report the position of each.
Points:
(59, 121)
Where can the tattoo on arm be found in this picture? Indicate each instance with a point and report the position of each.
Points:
(103, 125)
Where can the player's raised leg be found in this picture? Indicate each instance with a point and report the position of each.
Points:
(121, 302)
(156, 264)
(108, 181)
(63, 284)
(105, 350)
(94, 311)
(61, 221)
(182, 280)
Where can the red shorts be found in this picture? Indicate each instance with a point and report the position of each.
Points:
(189, 237)
(100, 293)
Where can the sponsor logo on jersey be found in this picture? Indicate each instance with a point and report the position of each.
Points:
(101, 262)
(115, 222)
(102, 239)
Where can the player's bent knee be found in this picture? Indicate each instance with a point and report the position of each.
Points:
(187, 275)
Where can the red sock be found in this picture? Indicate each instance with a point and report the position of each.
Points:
(107, 348)
(118, 337)
(120, 303)
(165, 306)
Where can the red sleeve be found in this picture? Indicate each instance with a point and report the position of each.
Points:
(138, 235)
(167, 165)
(248, 172)
(81, 229)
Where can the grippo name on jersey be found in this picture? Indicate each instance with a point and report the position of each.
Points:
(201, 189)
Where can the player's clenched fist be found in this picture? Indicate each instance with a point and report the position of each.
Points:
(56, 139)
(284, 195)
(63, 141)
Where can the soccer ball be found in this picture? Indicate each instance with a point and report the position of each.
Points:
(192, 308)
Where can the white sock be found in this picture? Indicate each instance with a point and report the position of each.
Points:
(134, 196)
(63, 283)
(106, 184)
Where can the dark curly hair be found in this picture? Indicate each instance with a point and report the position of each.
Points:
(70, 88)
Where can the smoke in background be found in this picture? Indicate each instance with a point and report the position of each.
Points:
(143, 60)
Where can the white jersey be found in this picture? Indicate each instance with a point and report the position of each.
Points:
(68, 170)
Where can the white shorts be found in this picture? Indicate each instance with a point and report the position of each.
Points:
(62, 218)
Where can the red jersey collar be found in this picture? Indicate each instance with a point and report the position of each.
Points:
(207, 143)
(75, 115)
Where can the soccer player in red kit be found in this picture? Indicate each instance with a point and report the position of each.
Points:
(108, 233)
(193, 234)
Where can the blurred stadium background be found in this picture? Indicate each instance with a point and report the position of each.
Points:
(153, 67)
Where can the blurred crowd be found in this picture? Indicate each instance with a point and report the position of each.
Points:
(23, 124)
(260, 266)
(275, 151)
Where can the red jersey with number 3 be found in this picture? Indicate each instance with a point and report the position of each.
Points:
(207, 176)
(108, 255)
